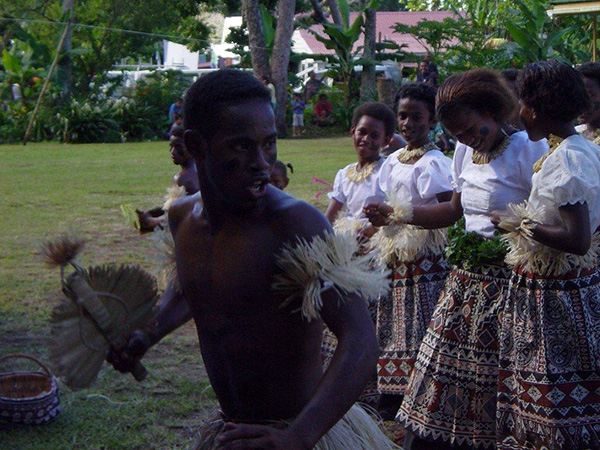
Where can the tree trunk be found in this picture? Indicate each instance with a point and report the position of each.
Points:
(280, 59)
(368, 86)
(256, 37)
(65, 64)
(336, 16)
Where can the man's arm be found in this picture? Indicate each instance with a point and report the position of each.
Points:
(356, 354)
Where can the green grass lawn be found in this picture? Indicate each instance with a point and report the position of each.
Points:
(47, 189)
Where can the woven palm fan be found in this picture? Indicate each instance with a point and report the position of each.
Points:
(101, 305)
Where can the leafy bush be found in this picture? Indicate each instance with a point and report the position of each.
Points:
(84, 123)
(134, 121)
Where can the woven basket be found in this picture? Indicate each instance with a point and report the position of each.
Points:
(28, 398)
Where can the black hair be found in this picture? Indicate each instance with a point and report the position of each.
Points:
(379, 111)
(177, 131)
(481, 90)
(510, 74)
(282, 167)
(417, 91)
(211, 93)
(553, 89)
(178, 116)
(590, 70)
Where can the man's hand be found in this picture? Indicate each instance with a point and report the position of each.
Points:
(244, 436)
(378, 213)
(137, 346)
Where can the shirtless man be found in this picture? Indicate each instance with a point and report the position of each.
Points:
(262, 358)
(187, 178)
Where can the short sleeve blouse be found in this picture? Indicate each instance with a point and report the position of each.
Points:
(488, 187)
(418, 183)
(571, 174)
(356, 195)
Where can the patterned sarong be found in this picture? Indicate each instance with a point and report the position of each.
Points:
(356, 431)
(451, 396)
(403, 317)
(549, 380)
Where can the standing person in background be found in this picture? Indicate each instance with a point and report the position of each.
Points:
(312, 86)
(548, 390)
(175, 109)
(298, 107)
(590, 119)
(450, 401)
(425, 75)
(418, 174)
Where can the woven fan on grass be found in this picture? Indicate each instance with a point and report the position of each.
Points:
(100, 307)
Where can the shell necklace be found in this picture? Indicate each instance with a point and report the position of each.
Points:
(358, 176)
(486, 158)
(405, 155)
(554, 142)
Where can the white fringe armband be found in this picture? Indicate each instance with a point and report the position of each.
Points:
(403, 212)
(534, 256)
(310, 268)
(164, 257)
(348, 224)
(173, 193)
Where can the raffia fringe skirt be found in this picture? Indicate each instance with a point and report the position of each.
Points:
(355, 431)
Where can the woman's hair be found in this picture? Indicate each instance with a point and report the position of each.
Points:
(282, 167)
(590, 70)
(480, 90)
(379, 111)
(553, 89)
(417, 91)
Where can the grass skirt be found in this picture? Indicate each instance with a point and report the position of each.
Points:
(549, 381)
(355, 431)
(451, 396)
(403, 317)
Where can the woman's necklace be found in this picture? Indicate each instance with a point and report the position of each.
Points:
(553, 141)
(486, 158)
(405, 156)
(358, 176)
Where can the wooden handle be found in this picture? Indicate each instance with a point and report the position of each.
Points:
(138, 371)
(32, 358)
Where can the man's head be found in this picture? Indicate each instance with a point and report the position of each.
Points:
(179, 153)
(230, 131)
(424, 67)
(179, 101)
(322, 97)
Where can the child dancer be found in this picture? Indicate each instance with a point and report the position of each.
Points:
(418, 173)
(279, 177)
(549, 394)
(590, 119)
(373, 126)
(451, 396)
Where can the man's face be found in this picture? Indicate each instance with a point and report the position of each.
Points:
(240, 153)
(423, 67)
(179, 154)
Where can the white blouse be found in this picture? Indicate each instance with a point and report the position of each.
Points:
(418, 183)
(354, 196)
(571, 174)
(488, 187)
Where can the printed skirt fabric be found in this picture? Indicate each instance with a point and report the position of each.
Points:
(403, 317)
(549, 380)
(370, 396)
(451, 395)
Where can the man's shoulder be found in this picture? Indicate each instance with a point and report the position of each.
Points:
(294, 218)
(183, 207)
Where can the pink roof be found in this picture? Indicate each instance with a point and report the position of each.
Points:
(385, 24)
